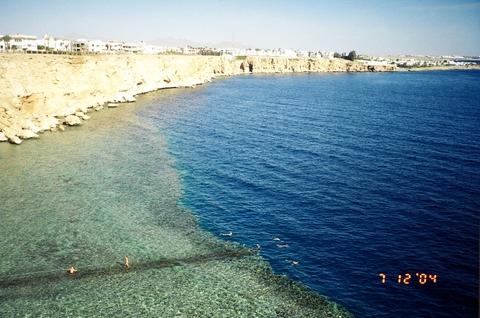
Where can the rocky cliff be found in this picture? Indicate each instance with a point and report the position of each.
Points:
(46, 92)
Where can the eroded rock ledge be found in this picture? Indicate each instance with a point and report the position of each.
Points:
(46, 92)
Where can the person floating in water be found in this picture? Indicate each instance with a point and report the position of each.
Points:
(293, 263)
(125, 262)
(71, 270)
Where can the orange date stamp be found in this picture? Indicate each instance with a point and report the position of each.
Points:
(410, 278)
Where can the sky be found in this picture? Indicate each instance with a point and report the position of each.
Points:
(431, 27)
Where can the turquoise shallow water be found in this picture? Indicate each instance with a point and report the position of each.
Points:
(93, 194)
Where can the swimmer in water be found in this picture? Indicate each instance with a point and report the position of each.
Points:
(293, 263)
(125, 262)
(71, 270)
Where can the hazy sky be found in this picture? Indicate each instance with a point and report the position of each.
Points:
(375, 27)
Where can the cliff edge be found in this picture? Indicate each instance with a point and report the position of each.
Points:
(46, 92)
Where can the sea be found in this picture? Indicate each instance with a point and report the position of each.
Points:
(360, 187)
(350, 175)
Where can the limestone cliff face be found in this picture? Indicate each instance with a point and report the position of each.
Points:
(43, 92)
(285, 65)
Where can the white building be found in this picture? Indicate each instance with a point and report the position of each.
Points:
(89, 46)
(374, 63)
(301, 53)
(57, 44)
(321, 55)
(232, 51)
(96, 46)
(176, 50)
(288, 53)
(131, 47)
(114, 47)
(254, 52)
(80, 46)
(151, 49)
(21, 42)
(2, 45)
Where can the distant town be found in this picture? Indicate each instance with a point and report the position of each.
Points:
(21, 43)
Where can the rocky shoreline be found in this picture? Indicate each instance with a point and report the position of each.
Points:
(443, 68)
(49, 92)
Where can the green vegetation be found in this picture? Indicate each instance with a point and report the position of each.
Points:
(6, 39)
(206, 51)
(351, 56)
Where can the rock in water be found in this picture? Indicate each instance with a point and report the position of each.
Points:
(15, 140)
(11, 136)
(72, 120)
(130, 98)
(112, 105)
(29, 125)
(3, 137)
(82, 109)
(82, 115)
(27, 134)
(46, 122)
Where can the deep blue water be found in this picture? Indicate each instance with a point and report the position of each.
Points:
(359, 174)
